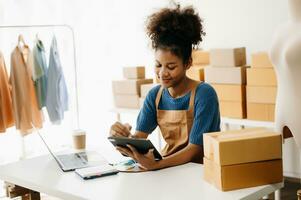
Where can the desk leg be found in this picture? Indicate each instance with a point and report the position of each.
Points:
(277, 194)
(13, 191)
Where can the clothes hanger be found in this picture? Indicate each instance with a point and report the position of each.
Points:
(38, 40)
(21, 42)
(37, 37)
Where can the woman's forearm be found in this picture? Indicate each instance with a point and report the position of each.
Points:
(187, 154)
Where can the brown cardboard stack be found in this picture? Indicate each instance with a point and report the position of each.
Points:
(145, 88)
(200, 59)
(227, 75)
(127, 92)
(242, 158)
(261, 88)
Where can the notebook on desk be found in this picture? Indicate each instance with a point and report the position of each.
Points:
(96, 171)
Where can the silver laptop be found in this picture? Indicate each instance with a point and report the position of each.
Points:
(68, 162)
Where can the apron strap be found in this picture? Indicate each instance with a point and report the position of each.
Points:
(192, 97)
(191, 101)
(159, 94)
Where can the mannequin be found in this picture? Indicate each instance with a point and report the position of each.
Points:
(286, 57)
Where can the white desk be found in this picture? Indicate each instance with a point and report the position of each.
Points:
(177, 183)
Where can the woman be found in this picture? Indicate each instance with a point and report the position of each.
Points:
(184, 109)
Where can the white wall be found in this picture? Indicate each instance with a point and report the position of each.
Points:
(110, 34)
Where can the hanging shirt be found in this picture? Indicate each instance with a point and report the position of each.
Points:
(40, 72)
(206, 111)
(6, 109)
(57, 95)
(25, 105)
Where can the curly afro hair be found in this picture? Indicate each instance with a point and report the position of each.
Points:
(175, 29)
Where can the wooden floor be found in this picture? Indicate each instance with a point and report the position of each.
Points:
(289, 192)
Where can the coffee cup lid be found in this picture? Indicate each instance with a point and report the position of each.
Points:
(79, 132)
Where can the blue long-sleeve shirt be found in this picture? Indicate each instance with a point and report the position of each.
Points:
(206, 111)
(57, 94)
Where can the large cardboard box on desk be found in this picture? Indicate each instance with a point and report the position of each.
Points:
(134, 72)
(261, 60)
(239, 176)
(261, 77)
(230, 92)
(225, 75)
(261, 111)
(200, 57)
(196, 72)
(233, 109)
(258, 94)
(228, 57)
(127, 101)
(129, 86)
(242, 146)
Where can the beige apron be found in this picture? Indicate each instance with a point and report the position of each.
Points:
(175, 125)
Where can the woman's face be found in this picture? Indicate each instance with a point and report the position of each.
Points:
(169, 68)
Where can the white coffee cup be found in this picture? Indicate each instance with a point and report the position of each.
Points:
(79, 139)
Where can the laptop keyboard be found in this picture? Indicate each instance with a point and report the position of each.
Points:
(75, 160)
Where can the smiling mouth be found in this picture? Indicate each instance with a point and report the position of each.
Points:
(166, 80)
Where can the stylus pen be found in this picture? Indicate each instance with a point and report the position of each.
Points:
(102, 175)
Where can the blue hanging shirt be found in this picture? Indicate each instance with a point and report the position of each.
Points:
(57, 95)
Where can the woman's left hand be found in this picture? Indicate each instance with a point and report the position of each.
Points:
(147, 161)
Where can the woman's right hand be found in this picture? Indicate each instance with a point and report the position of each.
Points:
(120, 130)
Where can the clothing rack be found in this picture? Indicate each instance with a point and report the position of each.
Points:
(47, 26)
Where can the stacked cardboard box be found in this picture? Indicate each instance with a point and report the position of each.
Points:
(227, 75)
(261, 88)
(145, 88)
(200, 59)
(127, 92)
(242, 158)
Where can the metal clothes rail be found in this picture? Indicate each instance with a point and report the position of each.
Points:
(47, 26)
(74, 53)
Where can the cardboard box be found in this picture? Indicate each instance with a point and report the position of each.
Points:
(196, 73)
(229, 92)
(245, 175)
(145, 88)
(134, 72)
(127, 101)
(129, 86)
(242, 146)
(200, 57)
(261, 60)
(233, 109)
(257, 94)
(261, 112)
(261, 77)
(228, 57)
(225, 75)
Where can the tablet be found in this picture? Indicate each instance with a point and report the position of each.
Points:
(142, 145)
